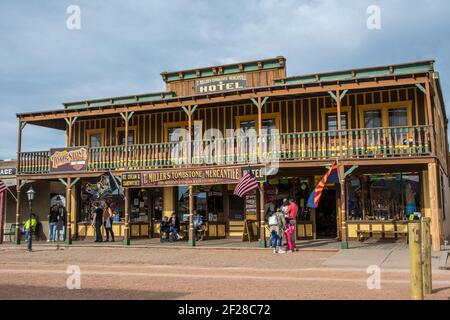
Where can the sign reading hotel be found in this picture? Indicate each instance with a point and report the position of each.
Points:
(68, 159)
(219, 84)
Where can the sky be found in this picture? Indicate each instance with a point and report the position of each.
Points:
(122, 46)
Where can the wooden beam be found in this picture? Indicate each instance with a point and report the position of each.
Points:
(434, 191)
(430, 118)
(421, 88)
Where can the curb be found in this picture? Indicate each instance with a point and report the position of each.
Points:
(12, 247)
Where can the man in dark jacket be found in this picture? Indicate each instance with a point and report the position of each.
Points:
(97, 222)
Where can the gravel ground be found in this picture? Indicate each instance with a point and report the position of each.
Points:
(137, 273)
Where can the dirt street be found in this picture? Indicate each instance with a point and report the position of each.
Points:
(142, 273)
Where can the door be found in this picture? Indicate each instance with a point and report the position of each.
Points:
(326, 215)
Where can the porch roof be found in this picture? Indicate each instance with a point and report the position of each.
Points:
(163, 100)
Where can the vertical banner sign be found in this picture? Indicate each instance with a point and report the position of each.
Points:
(68, 159)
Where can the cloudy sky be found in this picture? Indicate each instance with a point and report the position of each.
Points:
(123, 46)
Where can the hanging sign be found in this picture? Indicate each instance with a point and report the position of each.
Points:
(68, 159)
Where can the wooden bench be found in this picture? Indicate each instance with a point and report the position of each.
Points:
(383, 233)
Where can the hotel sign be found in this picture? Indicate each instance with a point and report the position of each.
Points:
(68, 159)
(219, 84)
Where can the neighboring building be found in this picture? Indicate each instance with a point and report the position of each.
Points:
(386, 126)
(48, 192)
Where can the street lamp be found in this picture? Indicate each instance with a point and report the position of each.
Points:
(30, 195)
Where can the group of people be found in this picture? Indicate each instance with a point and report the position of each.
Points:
(171, 225)
(282, 222)
(103, 216)
(56, 224)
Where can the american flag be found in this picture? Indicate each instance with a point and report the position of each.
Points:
(246, 185)
(3, 186)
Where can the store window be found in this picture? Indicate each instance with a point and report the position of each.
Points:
(383, 197)
(208, 202)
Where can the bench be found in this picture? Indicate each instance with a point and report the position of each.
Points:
(361, 233)
(12, 231)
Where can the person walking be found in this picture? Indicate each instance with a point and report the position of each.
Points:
(61, 228)
(292, 211)
(290, 235)
(28, 231)
(108, 222)
(97, 222)
(276, 227)
(53, 218)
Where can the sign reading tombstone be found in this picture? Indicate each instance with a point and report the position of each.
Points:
(68, 159)
(220, 84)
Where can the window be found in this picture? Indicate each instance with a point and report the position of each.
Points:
(121, 136)
(270, 122)
(373, 119)
(332, 124)
(392, 114)
(95, 138)
(398, 117)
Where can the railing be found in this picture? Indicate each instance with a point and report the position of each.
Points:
(390, 142)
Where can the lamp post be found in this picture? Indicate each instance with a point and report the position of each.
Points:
(30, 195)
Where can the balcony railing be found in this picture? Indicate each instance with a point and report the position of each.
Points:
(390, 142)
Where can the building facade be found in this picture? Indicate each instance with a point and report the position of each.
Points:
(184, 150)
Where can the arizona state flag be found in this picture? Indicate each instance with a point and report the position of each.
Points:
(330, 177)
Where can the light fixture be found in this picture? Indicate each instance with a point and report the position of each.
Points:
(30, 194)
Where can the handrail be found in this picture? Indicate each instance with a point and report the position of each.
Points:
(382, 142)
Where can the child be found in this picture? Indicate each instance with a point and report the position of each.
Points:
(290, 230)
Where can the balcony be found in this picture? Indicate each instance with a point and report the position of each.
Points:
(374, 143)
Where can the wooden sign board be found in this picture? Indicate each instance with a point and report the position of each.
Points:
(249, 233)
(70, 159)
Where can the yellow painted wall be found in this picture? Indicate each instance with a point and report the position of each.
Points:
(168, 200)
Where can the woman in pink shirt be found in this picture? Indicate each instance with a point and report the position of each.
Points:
(290, 231)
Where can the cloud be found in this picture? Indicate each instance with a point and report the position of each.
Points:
(123, 46)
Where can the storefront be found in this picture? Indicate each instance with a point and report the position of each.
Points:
(381, 204)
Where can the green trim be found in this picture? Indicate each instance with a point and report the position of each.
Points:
(266, 64)
(344, 245)
(409, 68)
(191, 243)
(142, 98)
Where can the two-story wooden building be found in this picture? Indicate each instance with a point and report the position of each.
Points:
(386, 126)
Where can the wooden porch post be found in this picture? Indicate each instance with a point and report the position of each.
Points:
(430, 117)
(68, 211)
(191, 241)
(343, 211)
(313, 212)
(339, 123)
(259, 129)
(262, 225)
(433, 184)
(126, 139)
(17, 231)
(189, 146)
(18, 186)
(126, 240)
